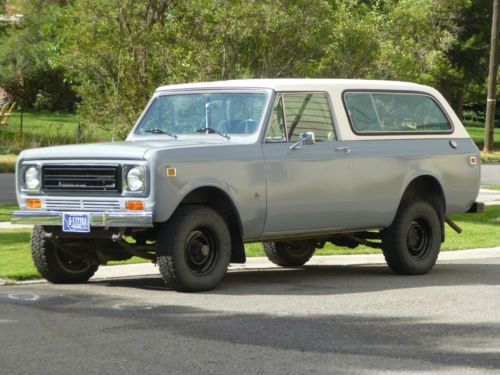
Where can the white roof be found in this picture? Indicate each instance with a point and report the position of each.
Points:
(291, 84)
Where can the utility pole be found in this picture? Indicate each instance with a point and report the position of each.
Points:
(492, 80)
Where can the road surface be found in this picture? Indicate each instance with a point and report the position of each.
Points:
(317, 320)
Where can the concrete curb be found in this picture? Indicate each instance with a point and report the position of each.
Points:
(262, 263)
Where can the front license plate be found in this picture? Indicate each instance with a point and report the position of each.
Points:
(74, 222)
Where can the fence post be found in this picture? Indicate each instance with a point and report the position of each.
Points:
(78, 133)
(22, 120)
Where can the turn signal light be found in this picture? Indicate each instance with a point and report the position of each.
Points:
(134, 205)
(33, 203)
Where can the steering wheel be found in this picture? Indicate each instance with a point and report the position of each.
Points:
(246, 126)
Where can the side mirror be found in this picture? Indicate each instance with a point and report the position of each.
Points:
(306, 138)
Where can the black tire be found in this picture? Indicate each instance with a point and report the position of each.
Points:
(289, 254)
(56, 266)
(411, 244)
(194, 249)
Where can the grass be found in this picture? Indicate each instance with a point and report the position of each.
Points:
(480, 231)
(477, 134)
(42, 129)
(491, 187)
(491, 157)
(15, 258)
(5, 210)
(7, 163)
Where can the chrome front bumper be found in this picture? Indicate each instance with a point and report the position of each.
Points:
(97, 219)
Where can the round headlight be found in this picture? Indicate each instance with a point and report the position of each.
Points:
(135, 179)
(31, 178)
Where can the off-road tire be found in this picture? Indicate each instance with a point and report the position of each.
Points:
(412, 243)
(194, 249)
(54, 265)
(289, 254)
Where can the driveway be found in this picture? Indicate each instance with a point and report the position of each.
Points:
(323, 319)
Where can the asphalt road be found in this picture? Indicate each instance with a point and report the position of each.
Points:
(316, 320)
(7, 188)
(490, 174)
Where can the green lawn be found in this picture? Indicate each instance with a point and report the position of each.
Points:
(480, 231)
(41, 129)
(5, 210)
(15, 256)
(477, 134)
(491, 187)
(7, 163)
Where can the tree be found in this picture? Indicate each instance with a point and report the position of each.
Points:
(120, 51)
(492, 79)
(115, 53)
(26, 70)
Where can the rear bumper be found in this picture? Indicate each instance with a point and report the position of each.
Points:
(97, 219)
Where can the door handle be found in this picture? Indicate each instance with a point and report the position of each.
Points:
(347, 150)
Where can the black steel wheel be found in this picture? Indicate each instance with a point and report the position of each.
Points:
(56, 266)
(289, 254)
(412, 243)
(201, 250)
(194, 249)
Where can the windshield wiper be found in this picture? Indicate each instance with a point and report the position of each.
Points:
(161, 131)
(212, 131)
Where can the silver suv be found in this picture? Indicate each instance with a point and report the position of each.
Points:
(291, 163)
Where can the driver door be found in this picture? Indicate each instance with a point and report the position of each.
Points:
(309, 186)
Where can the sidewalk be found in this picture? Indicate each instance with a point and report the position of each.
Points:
(489, 197)
(262, 263)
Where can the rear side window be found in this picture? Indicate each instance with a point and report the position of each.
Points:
(396, 112)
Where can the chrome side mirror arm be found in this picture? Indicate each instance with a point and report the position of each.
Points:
(305, 139)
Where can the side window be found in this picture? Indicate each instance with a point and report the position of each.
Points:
(395, 112)
(362, 111)
(276, 132)
(305, 112)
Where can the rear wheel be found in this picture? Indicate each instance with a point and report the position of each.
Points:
(411, 244)
(289, 254)
(194, 249)
(55, 265)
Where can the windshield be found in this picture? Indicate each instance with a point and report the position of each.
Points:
(204, 113)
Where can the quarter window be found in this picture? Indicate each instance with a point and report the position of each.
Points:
(276, 132)
(395, 112)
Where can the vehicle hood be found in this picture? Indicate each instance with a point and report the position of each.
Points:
(111, 150)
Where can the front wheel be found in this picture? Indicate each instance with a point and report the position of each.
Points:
(56, 266)
(411, 244)
(194, 249)
(289, 254)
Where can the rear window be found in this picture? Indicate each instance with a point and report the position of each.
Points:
(378, 112)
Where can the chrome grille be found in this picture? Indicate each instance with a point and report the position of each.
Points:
(81, 204)
(81, 178)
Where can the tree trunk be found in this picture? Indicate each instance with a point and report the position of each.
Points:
(492, 81)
